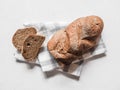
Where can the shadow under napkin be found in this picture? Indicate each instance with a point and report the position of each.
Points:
(53, 73)
(30, 65)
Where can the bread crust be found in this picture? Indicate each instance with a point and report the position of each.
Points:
(77, 38)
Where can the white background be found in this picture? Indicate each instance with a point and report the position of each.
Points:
(100, 74)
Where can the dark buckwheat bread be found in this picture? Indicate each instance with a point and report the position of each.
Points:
(20, 36)
(31, 47)
(78, 38)
(28, 42)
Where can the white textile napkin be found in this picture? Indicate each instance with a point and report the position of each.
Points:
(46, 61)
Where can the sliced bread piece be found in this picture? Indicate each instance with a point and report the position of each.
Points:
(31, 47)
(20, 36)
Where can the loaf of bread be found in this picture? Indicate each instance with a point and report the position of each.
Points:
(28, 42)
(79, 37)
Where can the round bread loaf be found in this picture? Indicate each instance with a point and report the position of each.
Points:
(78, 38)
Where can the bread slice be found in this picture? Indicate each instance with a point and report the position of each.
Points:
(31, 47)
(20, 36)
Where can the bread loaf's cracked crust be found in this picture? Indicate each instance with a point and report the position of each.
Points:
(81, 35)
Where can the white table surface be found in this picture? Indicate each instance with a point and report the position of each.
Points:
(100, 74)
